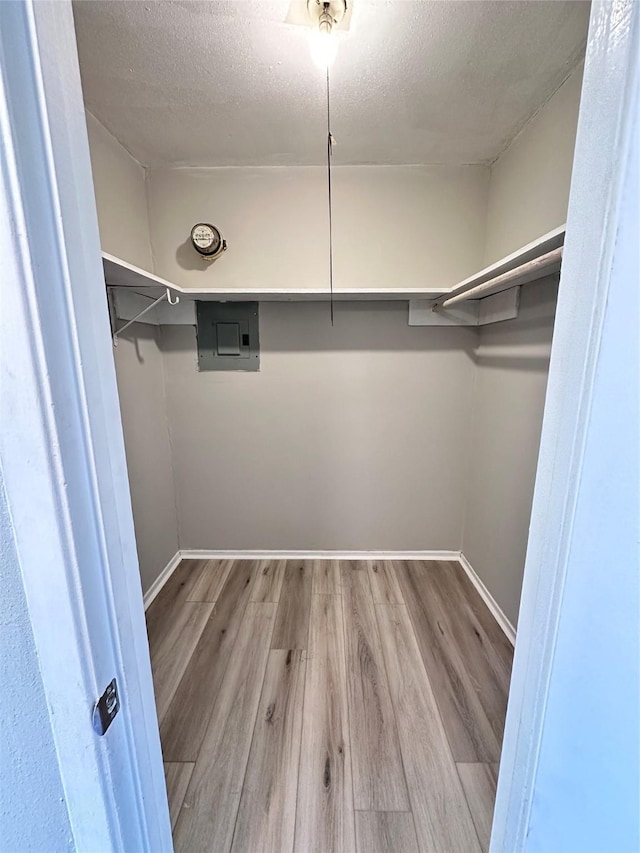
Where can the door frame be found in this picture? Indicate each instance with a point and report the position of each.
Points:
(61, 446)
(595, 210)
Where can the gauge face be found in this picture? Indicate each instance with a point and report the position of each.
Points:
(206, 238)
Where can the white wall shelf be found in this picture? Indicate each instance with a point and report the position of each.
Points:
(120, 274)
(133, 287)
(499, 300)
(541, 246)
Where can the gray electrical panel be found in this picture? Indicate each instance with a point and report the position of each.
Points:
(228, 336)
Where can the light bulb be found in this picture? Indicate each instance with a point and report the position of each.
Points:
(324, 47)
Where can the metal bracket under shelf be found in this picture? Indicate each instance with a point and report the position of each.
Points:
(137, 307)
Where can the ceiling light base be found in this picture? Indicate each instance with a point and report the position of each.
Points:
(326, 13)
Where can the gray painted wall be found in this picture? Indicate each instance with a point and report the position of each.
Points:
(393, 226)
(124, 231)
(140, 375)
(528, 195)
(119, 181)
(33, 815)
(512, 366)
(350, 437)
(529, 186)
(332, 444)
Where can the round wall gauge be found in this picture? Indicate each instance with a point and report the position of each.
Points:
(207, 240)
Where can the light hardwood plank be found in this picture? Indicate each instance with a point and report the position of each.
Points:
(465, 631)
(268, 582)
(267, 813)
(324, 817)
(384, 583)
(208, 815)
(185, 723)
(378, 777)
(479, 784)
(326, 577)
(441, 815)
(385, 832)
(175, 592)
(171, 658)
(177, 775)
(292, 621)
(211, 580)
(471, 598)
(468, 728)
(466, 599)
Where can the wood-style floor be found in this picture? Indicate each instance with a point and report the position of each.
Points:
(328, 706)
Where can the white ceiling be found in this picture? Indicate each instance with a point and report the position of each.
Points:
(229, 84)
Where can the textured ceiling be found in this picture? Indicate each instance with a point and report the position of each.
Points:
(230, 84)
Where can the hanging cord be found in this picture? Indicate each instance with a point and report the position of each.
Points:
(330, 142)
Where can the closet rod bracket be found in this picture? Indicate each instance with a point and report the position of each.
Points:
(165, 296)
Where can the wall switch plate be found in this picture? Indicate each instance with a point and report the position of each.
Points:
(228, 336)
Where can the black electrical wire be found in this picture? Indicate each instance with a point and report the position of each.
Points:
(329, 153)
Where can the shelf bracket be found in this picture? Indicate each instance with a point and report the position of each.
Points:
(165, 296)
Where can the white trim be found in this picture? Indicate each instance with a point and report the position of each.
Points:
(320, 555)
(61, 445)
(162, 578)
(489, 600)
(592, 223)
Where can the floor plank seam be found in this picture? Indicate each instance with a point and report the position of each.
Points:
(385, 811)
(305, 657)
(426, 674)
(221, 584)
(344, 663)
(376, 627)
(438, 701)
(255, 721)
(163, 714)
(473, 819)
(349, 729)
(395, 715)
(304, 694)
(221, 698)
(442, 725)
(223, 675)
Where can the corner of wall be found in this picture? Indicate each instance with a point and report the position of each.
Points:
(469, 466)
(113, 140)
(530, 180)
(147, 181)
(121, 202)
(170, 439)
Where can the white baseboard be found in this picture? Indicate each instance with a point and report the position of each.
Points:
(489, 600)
(162, 578)
(321, 555)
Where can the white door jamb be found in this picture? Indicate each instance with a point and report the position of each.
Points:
(61, 444)
(610, 74)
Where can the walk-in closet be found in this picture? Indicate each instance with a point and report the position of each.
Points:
(332, 235)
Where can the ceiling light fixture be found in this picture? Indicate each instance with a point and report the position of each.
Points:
(325, 15)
